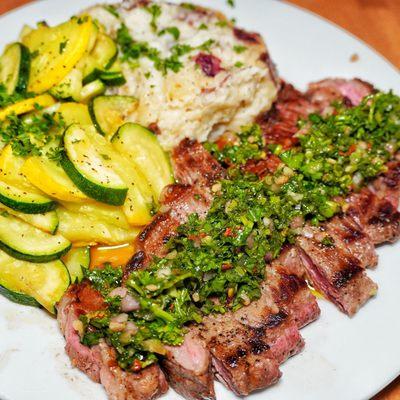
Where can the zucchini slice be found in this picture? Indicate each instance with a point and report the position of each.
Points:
(47, 176)
(14, 68)
(108, 113)
(92, 89)
(139, 200)
(20, 200)
(74, 113)
(113, 78)
(142, 148)
(70, 87)
(17, 297)
(102, 57)
(25, 242)
(76, 260)
(86, 229)
(16, 191)
(90, 168)
(47, 222)
(57, 50)
(23, 281)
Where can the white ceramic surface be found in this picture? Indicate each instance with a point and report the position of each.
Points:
(347, 359)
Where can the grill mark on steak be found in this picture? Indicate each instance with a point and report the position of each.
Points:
(343, 277)
(335, 273)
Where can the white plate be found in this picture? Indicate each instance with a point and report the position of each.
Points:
(344, 358)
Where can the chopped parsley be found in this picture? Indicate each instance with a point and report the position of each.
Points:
(217, 263)
(173, 31)
(155, 12)
(239, 49)
(62, 46)
(231, 3)
(132, 51)
(239, 64)
(28, 136)
(111, 9)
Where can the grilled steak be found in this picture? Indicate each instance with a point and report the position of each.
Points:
(99, 361)
(188, 368)
(378, 216)
(248, 346)
(334, 271)
(292, 292)
(323, 93)
(280, 123)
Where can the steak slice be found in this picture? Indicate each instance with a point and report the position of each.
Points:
(279, 124)
(99, 362)
(378, 216)
(334, 272)
(86, 359)
(194, 165)
(188, 368)
(248, 346)
(350, 236)
(323, 93)
(291, 291)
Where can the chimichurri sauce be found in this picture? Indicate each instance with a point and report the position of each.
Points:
(216, 264)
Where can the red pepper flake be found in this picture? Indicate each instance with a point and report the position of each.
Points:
(209, 64)
(350, 151)
(136, 366)
(228, 232)
(226, 267)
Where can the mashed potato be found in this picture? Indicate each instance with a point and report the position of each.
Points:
(223, 82)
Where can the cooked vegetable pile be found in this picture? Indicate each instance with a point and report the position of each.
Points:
(216, 264)
(73, 171)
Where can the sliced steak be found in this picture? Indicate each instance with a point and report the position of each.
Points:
(86, 359)
(387, 186)
(323, 93)
(334, 272)
(247, 346)
(194, 165)
(148, 384)
(188, 368)
(291, 291)
(378, 216)
(99, 362)
(279, 125)
(348, 235)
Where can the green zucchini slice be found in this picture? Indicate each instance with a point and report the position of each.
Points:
(20, 200)
(76, 260)
(142, 148)
(14, 68)
(47, 222)
(89, 169)
(25, 242)
(102, 57)
(108, 113)
(31, 283)
(92, 89)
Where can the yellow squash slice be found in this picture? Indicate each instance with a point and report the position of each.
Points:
(27, 105)
(47, 176)
(56, 50)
